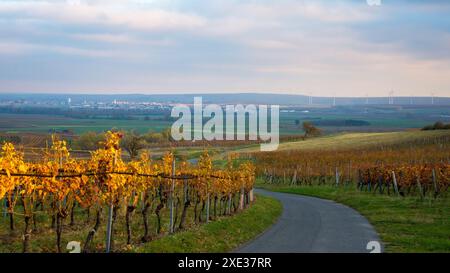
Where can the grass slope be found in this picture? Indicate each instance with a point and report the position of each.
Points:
(355, 140)
(404, 224)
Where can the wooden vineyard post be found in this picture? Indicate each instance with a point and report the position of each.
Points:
(10, 212)
(172, 189)
(229, 204)
(294, 178)
(419, 186)
(185, 190)
(108, 228)
(5, 207)
(436, 189)
(110, 214)
(350, 176)
(58, 216)
(394, 179)
(360, 182)
(299, 179)
(241, 199)
(337, 177)
(207, 205)
(380, 185)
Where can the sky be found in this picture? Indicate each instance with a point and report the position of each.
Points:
(320, 48)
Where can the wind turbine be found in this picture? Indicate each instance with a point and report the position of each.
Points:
(391, 97)
(432, 98)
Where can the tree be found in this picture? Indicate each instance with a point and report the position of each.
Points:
(153, 137)
(166, 133)
(132, 142)
(437, 126)
(310, 129)
(89, 141)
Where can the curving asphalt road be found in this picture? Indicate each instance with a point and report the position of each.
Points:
(310, 224)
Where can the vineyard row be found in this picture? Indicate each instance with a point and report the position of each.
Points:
(59, 184)
(399, 170)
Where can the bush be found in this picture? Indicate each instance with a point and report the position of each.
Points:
(437, 126)
(311, 130)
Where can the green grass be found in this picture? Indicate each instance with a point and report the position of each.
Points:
(404, 224)
(222, 235)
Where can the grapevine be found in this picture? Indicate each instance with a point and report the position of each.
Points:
(58, 185)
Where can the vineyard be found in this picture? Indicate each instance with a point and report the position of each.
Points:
(421, 168)
(61, 189)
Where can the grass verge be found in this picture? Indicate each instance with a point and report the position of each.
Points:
(404, 224)
(222, 235)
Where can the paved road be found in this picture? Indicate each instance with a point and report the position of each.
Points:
(310, 224)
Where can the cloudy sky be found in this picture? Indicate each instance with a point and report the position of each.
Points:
(324, 48)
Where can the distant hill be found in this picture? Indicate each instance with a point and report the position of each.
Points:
(226, 98)
(346, 141)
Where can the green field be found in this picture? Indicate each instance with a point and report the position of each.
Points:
(290, 123)
(17, 123)
(377, 123)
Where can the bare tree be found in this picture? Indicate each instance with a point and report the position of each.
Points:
(132, 142)
(310, 129)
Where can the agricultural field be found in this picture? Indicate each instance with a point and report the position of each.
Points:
(368, 118)
(33, 123)
(363, 118)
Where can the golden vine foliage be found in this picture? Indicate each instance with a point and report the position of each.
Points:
(104, 179)
(203, 171)
(367, 166)
(107, 163)
(11, 162)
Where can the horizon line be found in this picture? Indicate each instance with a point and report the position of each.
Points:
(214, 93)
